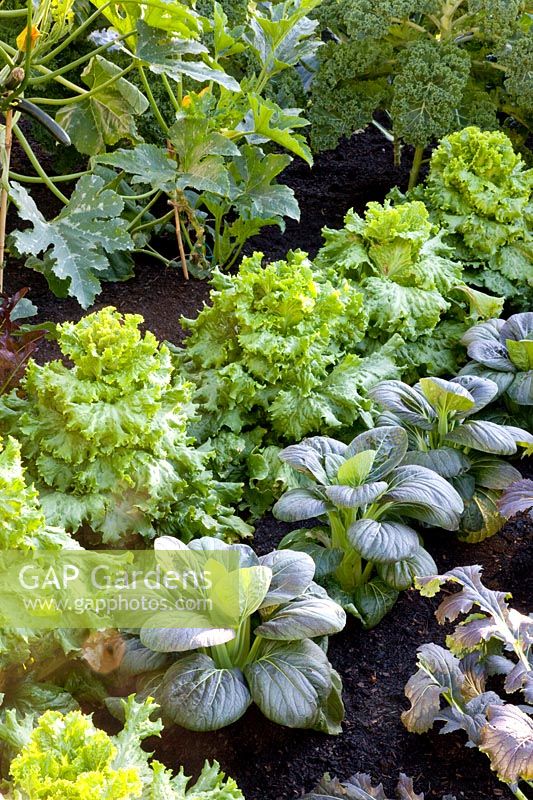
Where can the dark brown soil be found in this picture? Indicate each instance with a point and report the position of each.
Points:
(270, 762)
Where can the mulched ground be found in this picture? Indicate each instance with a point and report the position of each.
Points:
(270, 762)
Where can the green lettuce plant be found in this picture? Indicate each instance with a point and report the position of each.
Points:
(22, 522)
(30, 661)
(411, 286)
(479, 191)
(360, 787)
(364, 491)
(273, 359)
(65, 755)
(105, 441)
(434, 66)
(450, 685)
(275, 656)
(443, 436)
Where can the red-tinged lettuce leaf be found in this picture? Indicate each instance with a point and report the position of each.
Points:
(17, 342)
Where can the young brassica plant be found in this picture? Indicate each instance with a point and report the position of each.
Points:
(270, 658)
(450, 685)
(503, 351)
(360, 787)
(437, 416)
(65, 755)
(516, 498)
(365, 492)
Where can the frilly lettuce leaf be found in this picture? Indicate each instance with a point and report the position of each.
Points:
(399, 261)
(66, 756)
(106, 441)
(273, 359)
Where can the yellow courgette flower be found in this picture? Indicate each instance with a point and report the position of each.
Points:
(186, 102)
(22, 38)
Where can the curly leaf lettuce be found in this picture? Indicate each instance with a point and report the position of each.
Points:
(273, 357)
(106, 442)
(480, 191)
(397, 259)
(66, 756)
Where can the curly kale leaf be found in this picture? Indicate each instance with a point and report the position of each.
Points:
(347, 90)
(428, 89)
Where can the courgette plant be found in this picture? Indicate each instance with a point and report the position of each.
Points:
(363, 490)
(436, 415)
(270, 658)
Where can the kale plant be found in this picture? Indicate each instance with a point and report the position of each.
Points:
(65, 755)
(450, 685)
(411, 286)
(270, 658)
(479, 190)
(273, 360)
(105, 441)
(437, 416)
(360, 787)
(365, 492)
(434, 66)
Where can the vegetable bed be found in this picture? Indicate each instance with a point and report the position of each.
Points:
(268, 761)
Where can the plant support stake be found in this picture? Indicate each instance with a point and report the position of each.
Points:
(4, 201)
(177, 221)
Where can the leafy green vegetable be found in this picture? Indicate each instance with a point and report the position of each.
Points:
(516, 498)
(359, 787)
(479, 190)
(105, 441)
(434, 66)
(78, 244)
(503, 352)
(436, 416)
(65, 755)
(364, 491)
(24, 652)
(269, 658)
(398, 261)
(22, 522)
(215, 171)
(272, 359)
(493, 639)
